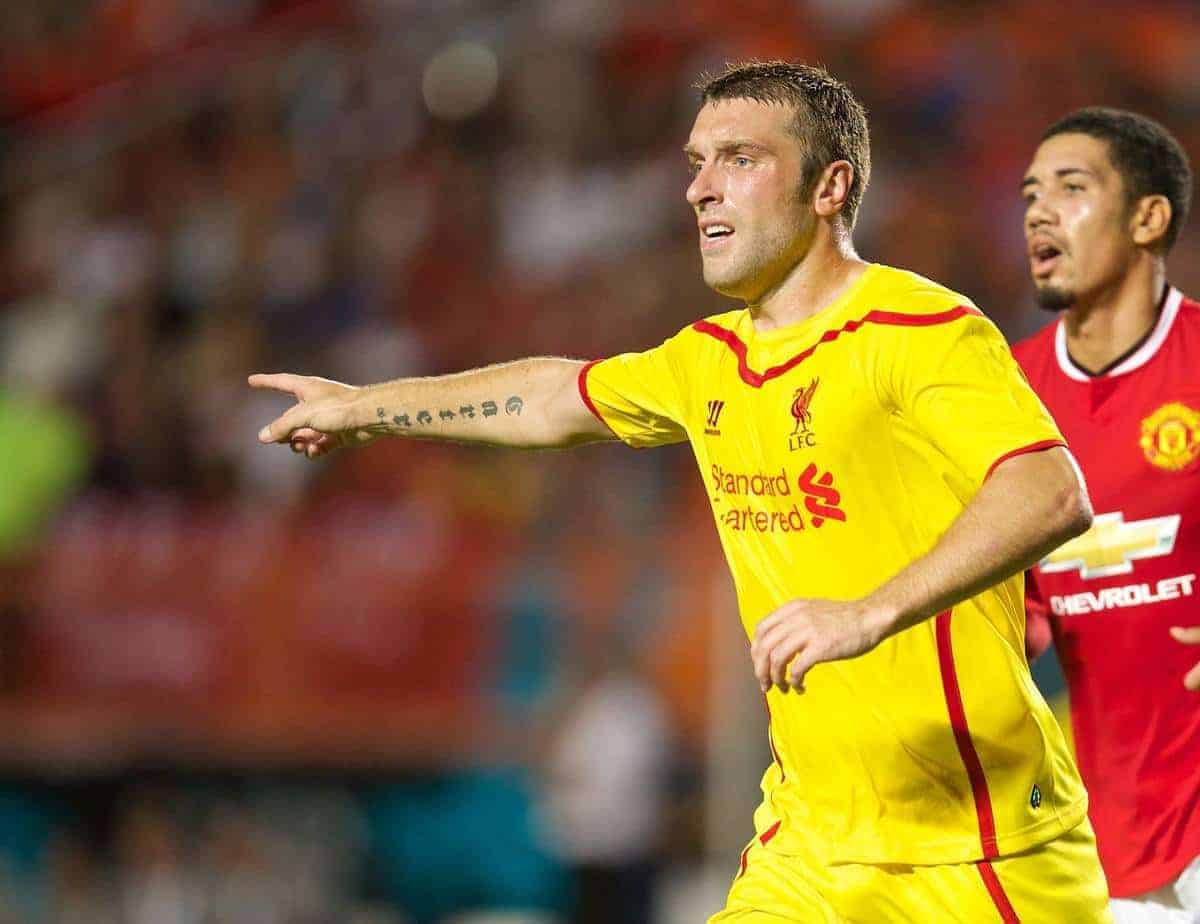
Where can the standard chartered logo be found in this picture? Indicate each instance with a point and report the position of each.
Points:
(816, 496)
(1111, 545)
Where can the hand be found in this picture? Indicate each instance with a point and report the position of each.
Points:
(812, 631)
(320, 422)
(1190, 636)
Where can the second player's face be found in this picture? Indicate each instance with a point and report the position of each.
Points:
(745, 190)
(1076, 220)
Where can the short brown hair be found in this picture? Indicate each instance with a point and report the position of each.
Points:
(829, 120)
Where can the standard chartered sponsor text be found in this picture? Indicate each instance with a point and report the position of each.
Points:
(756, 484)
(763, 521)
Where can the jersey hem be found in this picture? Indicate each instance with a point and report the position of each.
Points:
(964, 849)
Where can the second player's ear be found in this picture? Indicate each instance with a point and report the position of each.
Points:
(833, 188)
(1151, 219)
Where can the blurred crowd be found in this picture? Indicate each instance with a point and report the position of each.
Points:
(362, 189)
(158, 856)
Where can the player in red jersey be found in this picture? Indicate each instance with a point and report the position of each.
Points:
(1105, 196)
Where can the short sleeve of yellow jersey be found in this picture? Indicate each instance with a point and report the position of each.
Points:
(638, 395)
(961, 388)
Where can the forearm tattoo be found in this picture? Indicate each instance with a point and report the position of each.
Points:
(407, 420)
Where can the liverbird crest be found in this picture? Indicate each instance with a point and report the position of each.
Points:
(800, 402)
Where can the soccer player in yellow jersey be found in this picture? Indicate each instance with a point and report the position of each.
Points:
(880, 475)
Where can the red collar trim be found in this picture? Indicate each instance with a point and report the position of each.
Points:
(895, 318)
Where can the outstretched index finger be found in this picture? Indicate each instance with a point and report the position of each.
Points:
(279, 381)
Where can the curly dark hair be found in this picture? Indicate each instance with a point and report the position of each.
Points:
(1149, 159)
(830, 122)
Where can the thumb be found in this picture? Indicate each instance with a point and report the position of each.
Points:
(1188, 636)
(280, 429)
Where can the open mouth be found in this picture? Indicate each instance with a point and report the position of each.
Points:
(714, 235)
(1043, 258)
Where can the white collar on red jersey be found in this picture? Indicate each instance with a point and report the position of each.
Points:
(1134, 360)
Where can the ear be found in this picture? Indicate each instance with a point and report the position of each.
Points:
(1151, 218)
(832, 188)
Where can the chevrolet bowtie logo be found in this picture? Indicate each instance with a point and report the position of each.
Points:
(1111, 545)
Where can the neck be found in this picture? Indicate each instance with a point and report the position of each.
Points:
(1106, 325)
(827, 269)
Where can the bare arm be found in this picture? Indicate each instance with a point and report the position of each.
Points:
(1030, 505)
(530, 403)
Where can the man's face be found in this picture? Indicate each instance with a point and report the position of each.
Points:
(745, 190)
(1077, 223)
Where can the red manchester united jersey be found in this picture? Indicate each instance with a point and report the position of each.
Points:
(1112, 594)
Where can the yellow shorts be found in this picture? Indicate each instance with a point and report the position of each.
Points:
(1060, 882)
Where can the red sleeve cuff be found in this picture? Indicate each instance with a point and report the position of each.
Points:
(1032, 447)
(587, 399)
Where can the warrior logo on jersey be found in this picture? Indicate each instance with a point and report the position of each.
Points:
(711, 423)
(1171, 436)
(1111, 545)
(802, 434)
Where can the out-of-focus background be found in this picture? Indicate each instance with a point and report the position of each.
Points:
(420, 684)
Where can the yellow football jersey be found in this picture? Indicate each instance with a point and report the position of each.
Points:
(835, 452)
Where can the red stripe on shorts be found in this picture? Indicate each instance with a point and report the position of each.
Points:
(996, 890)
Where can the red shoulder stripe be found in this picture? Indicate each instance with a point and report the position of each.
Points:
(894, 318)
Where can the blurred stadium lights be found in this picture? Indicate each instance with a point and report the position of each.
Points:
(87, 115)
(460, 80)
